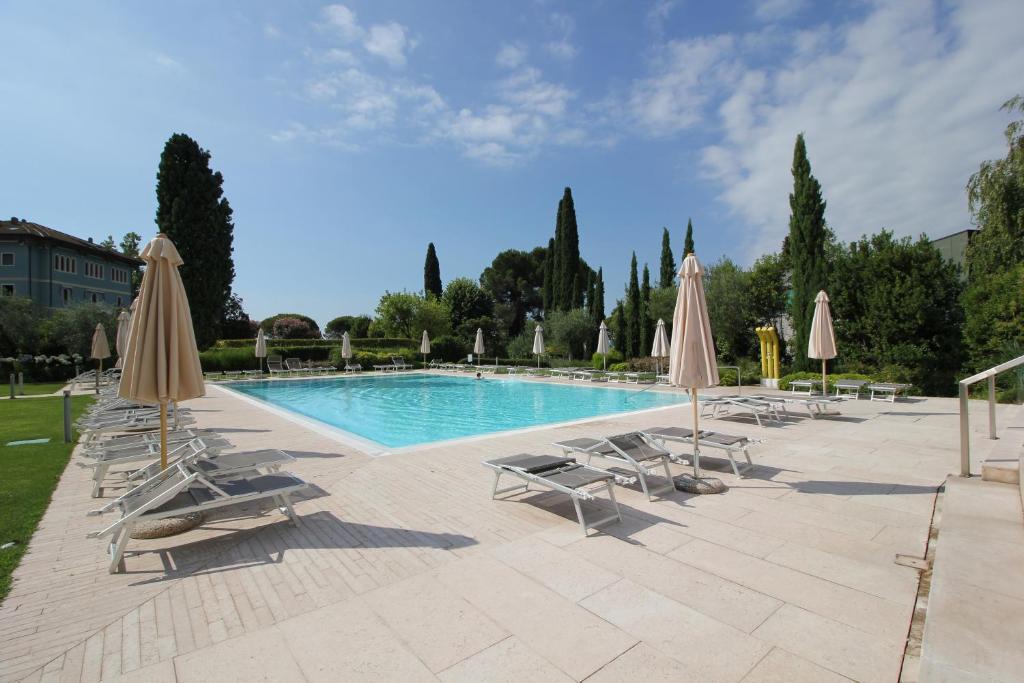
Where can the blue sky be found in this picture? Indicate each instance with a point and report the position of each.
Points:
(351, 135)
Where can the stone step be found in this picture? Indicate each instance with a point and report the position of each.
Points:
(1002, 470)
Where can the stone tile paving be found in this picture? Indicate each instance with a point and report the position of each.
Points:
(403, 568)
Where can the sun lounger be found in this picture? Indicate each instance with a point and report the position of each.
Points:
(143, 423)
(127, 460)
(725, 442)
(123, 442)
(849, 387)
(805, 386)
(180, 491)
(590, 376)
(887, 391)
(274, 366)
(399, 363)
(758, 406)
(294, 366)
(253, 373)
(631, 449)
(209, 458)
(561, 474)
(817, 405)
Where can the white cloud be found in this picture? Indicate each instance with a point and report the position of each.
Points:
(659, 13)
(561, 27)
(387, 41)
(167, 62)
(530, 92)
(898, 109)
(343, 20)
(685, 75)
(776, 10)
(510, 55)
(271, 31)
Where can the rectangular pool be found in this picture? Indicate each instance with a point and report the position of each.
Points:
(404, 410)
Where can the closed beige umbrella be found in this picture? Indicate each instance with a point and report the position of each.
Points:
(602, 344)
(692, 361)
(660, 348)
(124, 320)
(822, 342)
(478, 345)
(425, 346)
(538, 343)
(100, 350)
(346, 346)
(261, 347)
(162, 364)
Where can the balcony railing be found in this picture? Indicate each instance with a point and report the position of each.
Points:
(965, 430)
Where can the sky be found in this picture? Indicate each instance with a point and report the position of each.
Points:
(351, 135)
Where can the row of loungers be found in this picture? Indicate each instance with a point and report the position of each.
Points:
(772, 408)
(851, 388)
(121, 445)
(643, 453)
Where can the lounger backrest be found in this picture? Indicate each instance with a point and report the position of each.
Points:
(636, 446)
(293, 363)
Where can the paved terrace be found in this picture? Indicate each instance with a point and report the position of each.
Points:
(405, 569)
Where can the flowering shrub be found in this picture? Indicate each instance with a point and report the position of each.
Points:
(43, 368)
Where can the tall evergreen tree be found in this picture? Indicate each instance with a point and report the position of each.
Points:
(667, 269)
(432, 273)
(645, 313)
(633, 312)
(807, 238)
(568, 254)
(557, 275)
(548, 296)
(194, 214)
(688, 242)
(598, 313)
(591, 282)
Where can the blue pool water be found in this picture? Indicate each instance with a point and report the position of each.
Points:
(414, 409)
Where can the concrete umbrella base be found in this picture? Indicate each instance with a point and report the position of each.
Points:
(700, 486)
(169, 526)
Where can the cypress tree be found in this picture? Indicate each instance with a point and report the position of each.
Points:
(688, 242)
(568, 255)
(645, 313)
(599, 296)
(591, 282)
(619, 323)
(667, 269)
(633, 312)
(557, 274)
(549, 278)
(807, 236)
(194, 214)
(432, 273)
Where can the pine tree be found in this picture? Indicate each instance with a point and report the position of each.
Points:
(645, 313)
(667, 270)
(549, 278)
(807, 237)
(432, 273)
(633, 312)
(193, 213)
(688, 242)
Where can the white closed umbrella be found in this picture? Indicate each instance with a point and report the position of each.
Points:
(822, 341)
(261, 347)
(162, 364)
(346, 346)
(124, 320)
(660, 348)
(478, 345)
(538, 343)
(602, 344)
(692, 361)
(425, 347)
(100, 350)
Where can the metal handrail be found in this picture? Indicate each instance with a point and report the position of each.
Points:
(965, 432)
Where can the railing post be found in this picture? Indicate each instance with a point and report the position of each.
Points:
(992, 407)
(965, 434)
(67, 416)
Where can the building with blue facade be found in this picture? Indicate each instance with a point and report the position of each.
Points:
(56, 269)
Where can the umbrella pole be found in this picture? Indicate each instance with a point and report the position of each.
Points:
(99, 369)
(824, 378)
(696, 436)
(163, 434)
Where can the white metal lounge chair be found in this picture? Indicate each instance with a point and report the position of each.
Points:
(725, 442)
(887, 391)
(208, 457)
(123, 442)
(631, 449)
(127, 461)
(805, 386)
(180, 491)
(145, 423)
(561, 474)
(849, 387)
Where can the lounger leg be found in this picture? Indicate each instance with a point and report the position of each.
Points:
(98, 475)
(615, 503)
(732, 461)
(579, 514)
(668, 472)
(287, 509)
(494, 488)
(643, 482)
(117, 548)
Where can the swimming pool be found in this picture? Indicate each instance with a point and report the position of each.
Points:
(406, 410)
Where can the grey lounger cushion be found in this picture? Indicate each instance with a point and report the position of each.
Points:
(533, 464)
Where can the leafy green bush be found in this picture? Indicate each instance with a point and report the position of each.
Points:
(219, 360)
(619, 367)
(355, 325)
(43, 368)
(749, 369)
(597, 360)
(313, 353)
(447, 348)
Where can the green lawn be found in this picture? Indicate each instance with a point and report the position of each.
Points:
(28, 474)
(36, 389)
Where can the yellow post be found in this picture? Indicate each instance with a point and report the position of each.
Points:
(764, 350)
(775, 353)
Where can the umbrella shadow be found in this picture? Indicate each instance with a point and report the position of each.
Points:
(228, 430)
(314, 454)
(270, 544)
(860, 488)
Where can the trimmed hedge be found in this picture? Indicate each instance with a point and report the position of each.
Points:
(785, 380)
(381, 343)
